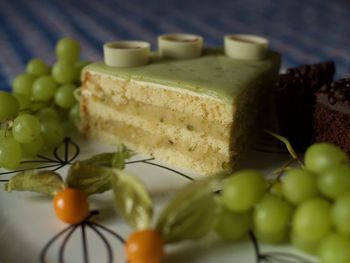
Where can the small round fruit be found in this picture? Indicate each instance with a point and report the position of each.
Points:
(233, 226)
(79, 67)
(48, 113)
(341, 214)
(243, 189)
(335, 249)
(63, 72)
(74, 114)
(320, 156)
(37, 67)
(71, 205)
(68, 50)
(32, 149)
(312, 220)
(24, 101)
(23, 84)
(272, 215)
(9, 106)
(299, 185)
(64, 96)
(10, 153)
(145, 246)
(44, 88)
(25, 128)
(335, 181)
(309, 247)
(52, 132)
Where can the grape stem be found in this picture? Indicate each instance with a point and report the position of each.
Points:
(280, 171)
(288, 146)
(8, 125)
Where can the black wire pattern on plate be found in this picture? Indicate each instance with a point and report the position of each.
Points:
(274, 256)
(68, 232)
(71, 151)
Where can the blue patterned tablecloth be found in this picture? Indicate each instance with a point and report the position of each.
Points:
(302, 31)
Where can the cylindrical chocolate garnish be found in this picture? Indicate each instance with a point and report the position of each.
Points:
(126, 53)
(248, 47)
(180, 46)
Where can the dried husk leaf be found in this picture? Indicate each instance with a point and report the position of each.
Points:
(102, 159)
(191, 213)
(132, 200)
(43, 182)
(113, 159)
(89, 178)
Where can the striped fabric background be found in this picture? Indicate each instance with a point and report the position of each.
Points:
(304, 31)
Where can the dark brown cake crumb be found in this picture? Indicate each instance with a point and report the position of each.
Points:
(295, 100)
(332, 114)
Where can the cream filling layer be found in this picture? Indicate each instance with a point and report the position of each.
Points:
(105, 116)
(201, 159)
(154, 117)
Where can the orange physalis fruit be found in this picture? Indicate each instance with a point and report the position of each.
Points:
(145, 246)
(71, 205)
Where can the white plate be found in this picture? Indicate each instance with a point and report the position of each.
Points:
(28, 222)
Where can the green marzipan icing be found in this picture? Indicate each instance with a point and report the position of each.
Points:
(213, 73)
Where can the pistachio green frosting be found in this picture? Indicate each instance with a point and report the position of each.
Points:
(213, 73)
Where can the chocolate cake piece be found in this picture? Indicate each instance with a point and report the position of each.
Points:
(295, 100)
(332, 114)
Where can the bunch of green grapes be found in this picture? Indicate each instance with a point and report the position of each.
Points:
(310, 208)
(42, 106)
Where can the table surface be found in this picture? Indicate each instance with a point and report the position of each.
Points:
(305, 31)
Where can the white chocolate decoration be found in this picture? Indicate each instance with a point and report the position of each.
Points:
(249, 47)
(126, 53)
(180, 46)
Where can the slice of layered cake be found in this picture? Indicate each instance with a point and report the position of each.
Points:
(332, 114)
(198, 113)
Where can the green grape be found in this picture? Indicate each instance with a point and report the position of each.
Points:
(79, 67)
(52, 132)
(304, 245)
(63, 72)
(25, 128)
(9, 106)
(320, 156)
(335, 249)
(74, 114)
(23, 84)
(277, 237)
(24, 101)
(44, 88)
(32, 149)
(68, 49)
(5, 133)
(271, 218)
(10, 153)
(37, 67)
(64, 96)
(2, 133)
(312, 220)
(243, 189)
(335, 181)
(299, 185)
(341, 215)
(276, 188)
(48, 114)
(233, 226)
